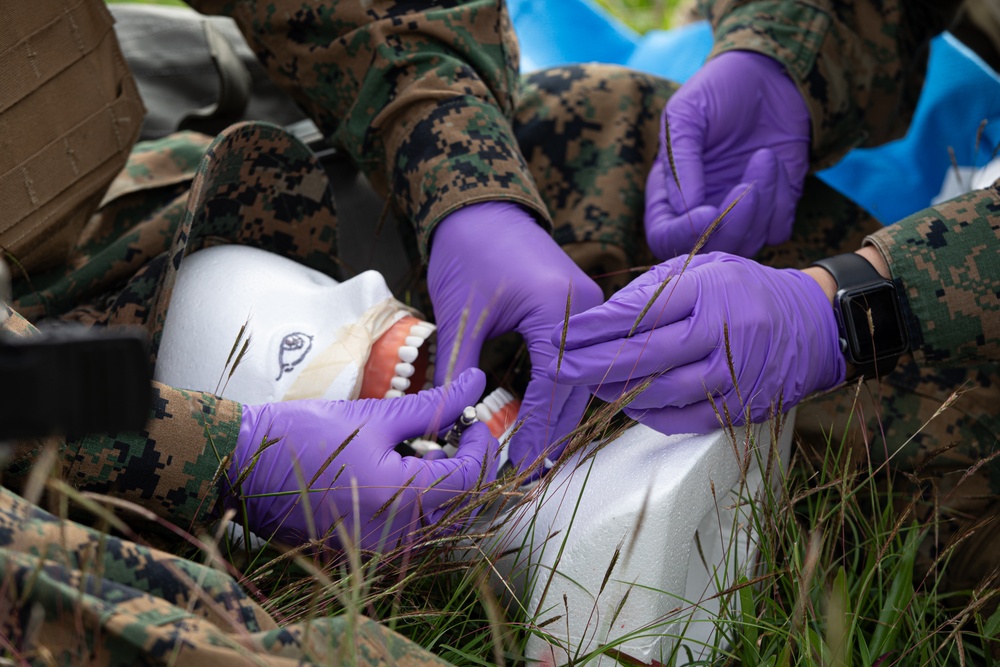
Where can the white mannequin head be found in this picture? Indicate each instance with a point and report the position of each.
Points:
(305, 334)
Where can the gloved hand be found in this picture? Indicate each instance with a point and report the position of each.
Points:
(738, 123)
(345, 448)
(781, 332)
(493, 260)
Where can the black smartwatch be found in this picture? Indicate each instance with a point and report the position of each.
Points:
(869, 315)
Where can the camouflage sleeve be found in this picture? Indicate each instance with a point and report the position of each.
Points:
(860, 64)
(946, 260)
(419, 93)
(170, 468)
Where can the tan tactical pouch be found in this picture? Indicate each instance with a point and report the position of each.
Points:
(69, 114)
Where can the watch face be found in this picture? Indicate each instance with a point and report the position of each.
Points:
(873, 322)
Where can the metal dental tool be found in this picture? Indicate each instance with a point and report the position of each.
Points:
(465, 420)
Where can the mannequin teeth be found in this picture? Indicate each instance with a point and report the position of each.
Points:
(498, 410)
(422, 330)
(397, 357)
(496, 400)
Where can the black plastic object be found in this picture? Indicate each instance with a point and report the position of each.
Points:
(73, 382)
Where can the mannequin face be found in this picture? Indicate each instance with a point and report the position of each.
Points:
(309, 336)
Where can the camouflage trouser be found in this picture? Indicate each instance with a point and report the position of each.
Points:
(589, 134)
(75, 596)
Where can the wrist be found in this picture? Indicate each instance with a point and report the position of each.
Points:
(868, 311)
(875, 258)
(829, 284)
(824, 279)
(482, 213)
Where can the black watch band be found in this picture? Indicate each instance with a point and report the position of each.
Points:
(869, 315)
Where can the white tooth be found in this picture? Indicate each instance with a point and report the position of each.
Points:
(393, 393)
(404, 370)
(402, 384)
(483, 413)
(428, 385)
(421, 330)
(432, 347)
(414, 341)
(408, 354)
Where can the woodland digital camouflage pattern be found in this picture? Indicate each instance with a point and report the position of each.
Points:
(425, 96)
(74, 596)
(946, 457)
(590, 134)
(420, 94)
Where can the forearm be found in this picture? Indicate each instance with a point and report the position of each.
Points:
(172, 467)
(419, 94)
(859, 65)
(946, 262)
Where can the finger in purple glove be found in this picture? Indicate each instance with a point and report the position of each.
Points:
(493, 269)
(328, 470)
(739, 123)
(727, 339)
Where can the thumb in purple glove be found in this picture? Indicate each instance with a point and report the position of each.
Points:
(494, 270)
(738, 129)
(777, 325)
(304, 467)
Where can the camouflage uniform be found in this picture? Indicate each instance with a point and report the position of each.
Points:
(75, 596)
(427, 100)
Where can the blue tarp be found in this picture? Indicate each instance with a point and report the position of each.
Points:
(890, 181)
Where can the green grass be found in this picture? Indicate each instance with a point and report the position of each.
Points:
(644, 15)
(835, 582)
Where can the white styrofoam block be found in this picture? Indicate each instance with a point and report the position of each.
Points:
(645, 495)
(293, 314)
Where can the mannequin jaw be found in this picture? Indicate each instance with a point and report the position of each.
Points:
(401, 360)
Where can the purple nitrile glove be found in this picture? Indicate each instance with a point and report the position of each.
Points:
(738, 123)
(362, 478)
(493, 261)
(781, 331)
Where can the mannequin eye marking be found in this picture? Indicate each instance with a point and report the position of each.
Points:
(294, 348)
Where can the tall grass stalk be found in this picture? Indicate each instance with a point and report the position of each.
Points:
(834, 581)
